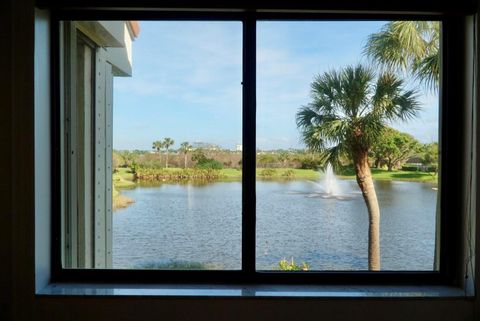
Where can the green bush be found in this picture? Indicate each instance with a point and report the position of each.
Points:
(285, 265)
(345, 170)
(209, 163)
(288, 173)
(267, 172)
(154, 174)
(410, 168)
(309, 163)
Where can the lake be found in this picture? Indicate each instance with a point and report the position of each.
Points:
(295, 219)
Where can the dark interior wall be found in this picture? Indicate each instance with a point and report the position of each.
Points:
(17, 274)
(258, 309)
(17, 202)
(5, 159)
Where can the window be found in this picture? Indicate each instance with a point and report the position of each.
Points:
(88, 226)
(310, 211)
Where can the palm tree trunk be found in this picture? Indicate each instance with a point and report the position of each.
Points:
(185, 161)
(166, 159)
(365, 182)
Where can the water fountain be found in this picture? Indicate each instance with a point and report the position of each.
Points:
(330, 182)
(330, 187)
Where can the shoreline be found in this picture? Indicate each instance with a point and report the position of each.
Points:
(124, 179)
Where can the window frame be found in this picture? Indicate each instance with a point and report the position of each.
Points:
(451, 157)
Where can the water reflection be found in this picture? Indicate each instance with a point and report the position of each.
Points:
(200, 225)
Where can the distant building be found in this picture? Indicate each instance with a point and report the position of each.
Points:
(239, 147)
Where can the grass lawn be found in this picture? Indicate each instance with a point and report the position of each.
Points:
(123, 178)
(232, 173)
(381, 174)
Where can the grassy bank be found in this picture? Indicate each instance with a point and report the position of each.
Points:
(125, 179)
(122, 179)
(178, 174)
(384, 175)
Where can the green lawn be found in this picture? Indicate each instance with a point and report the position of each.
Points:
(381, 174)
(123, 178)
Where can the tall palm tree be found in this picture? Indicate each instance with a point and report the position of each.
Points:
(408, 46)
(350, 109)
(167, 142)
(157, 146)
(185, 147)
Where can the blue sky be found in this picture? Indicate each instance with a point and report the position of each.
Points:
(187, 77)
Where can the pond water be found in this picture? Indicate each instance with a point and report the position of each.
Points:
(295, 219)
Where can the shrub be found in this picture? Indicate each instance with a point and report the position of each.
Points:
(209, 163)
(288, 173)
(267, 172)
(410, 168)
(154, 174)
(285, 265)
(310, 163)
(345, 170)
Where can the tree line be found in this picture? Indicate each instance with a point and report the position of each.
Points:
(393, 151)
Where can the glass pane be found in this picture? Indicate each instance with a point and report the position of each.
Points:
(177, 140)
(347, 117)
(166, 96)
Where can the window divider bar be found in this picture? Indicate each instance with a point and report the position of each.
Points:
(249, 145)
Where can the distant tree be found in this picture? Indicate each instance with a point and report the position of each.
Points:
(394, 148)
(185, 147)
(128, 157)
(199, 155)
(203, 161)
(283, 157)
(264, 159)
(116, 160)
(167, 142)
(157, 146)
(430, 156)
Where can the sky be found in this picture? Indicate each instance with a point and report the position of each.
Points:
(186, 82)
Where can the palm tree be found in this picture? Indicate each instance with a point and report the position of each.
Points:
(167, 142)
(157, 146)
(185, 147)
(408, 46)
(350, 109)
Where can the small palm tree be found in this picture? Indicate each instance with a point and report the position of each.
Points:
(185, 147)
(350, 109)
(408, 46)
(167, 142)
(157, 146)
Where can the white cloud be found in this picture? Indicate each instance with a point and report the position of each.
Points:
(198, 66)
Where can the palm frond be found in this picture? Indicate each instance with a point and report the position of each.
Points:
(408, 47)
(319, 131)
(327, 92)
(334, 155)
(391, 101)
(350, 110)
(427, 71)
(356, 88)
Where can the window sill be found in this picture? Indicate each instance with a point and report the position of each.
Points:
(249, 291)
